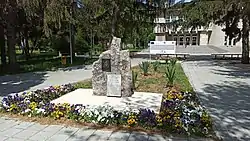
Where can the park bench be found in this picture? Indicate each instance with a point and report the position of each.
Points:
(225, 55)
(167, 56)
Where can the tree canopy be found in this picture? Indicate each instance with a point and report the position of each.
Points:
(43, 24)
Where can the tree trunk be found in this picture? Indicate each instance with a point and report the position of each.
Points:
(11, 32)
(2, 35)
(245, 40)
(26, 42)
(2, 45)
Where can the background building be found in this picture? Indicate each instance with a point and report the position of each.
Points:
(212, 35)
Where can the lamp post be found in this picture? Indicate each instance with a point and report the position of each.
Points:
(72, 30)
(74, 4)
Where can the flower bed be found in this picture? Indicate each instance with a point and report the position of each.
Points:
(180, 112)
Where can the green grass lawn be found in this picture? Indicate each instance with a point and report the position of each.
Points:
(52, 64)
(45, 62)
(155, 81)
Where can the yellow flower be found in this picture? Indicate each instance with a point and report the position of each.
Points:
(131, 121)
(32, 105)
(13, 107)
(177, 114)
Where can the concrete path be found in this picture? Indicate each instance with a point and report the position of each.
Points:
(14, 130)
(224, 88)
(202, 50)
(38, 80)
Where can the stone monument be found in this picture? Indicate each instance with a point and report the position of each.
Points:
(112, 74)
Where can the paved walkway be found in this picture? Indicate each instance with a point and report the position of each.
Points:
(224, 88)
(14, 130)
(205, 50)
(38, 80)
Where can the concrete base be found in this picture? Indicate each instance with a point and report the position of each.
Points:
(138, 100)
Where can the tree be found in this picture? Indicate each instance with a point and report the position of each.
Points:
(2, 38)
(117, 17)
(222, 12)
(11, 21)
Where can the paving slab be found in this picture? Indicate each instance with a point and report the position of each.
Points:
(138, 136)
(82, 134)
(24, 125)
(59, 137)
(99, 135)
(3, 138)
(157, 137)
(120, 135)
(41, 136)
(14, 139)
(25, 134)
(10, 132)
(37, 127)
(8, 124)
(53, 128)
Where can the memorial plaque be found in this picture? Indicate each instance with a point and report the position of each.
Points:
(106, 65)
(114, 85)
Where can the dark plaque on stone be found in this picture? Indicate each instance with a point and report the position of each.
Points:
(106, 65)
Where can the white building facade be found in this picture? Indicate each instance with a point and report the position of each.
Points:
(213, 35)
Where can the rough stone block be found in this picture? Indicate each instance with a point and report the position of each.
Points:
(119, 63)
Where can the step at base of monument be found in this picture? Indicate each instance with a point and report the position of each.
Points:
(138, 100)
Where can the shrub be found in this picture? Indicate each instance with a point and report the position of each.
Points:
(145, 67)
(170, 72)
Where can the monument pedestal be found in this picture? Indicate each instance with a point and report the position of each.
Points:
(138, 100)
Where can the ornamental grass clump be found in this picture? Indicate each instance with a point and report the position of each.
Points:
(145, 67)
(170, 72)
(156, 65)
(134, 78)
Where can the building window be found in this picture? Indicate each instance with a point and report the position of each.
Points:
(234, 42)
(175, 39)
(188, 40)
(194, 40)
(181, 40)
(225, 41)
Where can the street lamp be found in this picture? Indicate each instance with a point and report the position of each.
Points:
(74, 4)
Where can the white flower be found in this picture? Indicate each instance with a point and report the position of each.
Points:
(27, 110)
(5, 105)
(40, 111)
